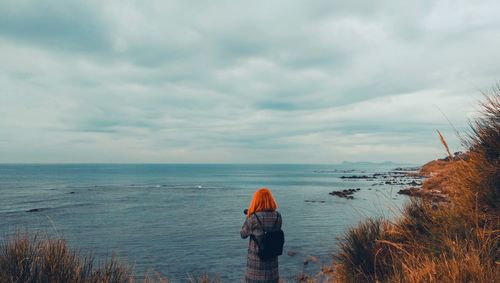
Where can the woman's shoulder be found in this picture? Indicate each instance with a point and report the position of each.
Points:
(266, 214)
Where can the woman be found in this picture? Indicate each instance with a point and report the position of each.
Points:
(262, 208)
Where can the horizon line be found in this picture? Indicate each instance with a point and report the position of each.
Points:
(200, 163)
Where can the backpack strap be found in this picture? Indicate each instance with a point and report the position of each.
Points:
(252, 236)
(260, 223)
(278, 215)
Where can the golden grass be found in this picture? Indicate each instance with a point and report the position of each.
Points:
(445, 144)
(455, 241)
(33, 259)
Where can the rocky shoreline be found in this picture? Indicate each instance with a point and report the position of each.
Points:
(410, 178)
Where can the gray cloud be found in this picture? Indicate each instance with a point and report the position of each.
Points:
(71, 25)
(287, 81)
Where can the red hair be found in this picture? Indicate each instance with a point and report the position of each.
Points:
(262, 200)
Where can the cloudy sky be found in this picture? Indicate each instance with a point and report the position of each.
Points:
(241, 81)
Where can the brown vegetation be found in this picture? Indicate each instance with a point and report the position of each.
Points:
(33, 259)
(455, 241)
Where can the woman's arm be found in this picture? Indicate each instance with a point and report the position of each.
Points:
(246, 230)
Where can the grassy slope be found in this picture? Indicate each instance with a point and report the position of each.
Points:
(453, 241)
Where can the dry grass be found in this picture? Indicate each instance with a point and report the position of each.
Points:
(33, 259)
(445, 144)
(457, 241)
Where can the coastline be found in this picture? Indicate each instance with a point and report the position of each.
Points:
(378, 237)
(448, 232)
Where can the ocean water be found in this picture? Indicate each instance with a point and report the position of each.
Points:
(183, 220)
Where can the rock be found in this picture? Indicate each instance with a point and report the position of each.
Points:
(344, 193)
(409, 191)
(434, 195)
(406, 169)
(414, 183)
(356, 177)
(33, 210)
(291, 253)
(313, 259)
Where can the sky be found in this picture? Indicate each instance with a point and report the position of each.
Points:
(241, 81)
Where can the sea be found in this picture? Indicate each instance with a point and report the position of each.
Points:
(183, 220)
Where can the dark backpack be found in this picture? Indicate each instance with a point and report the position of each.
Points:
(271, 243)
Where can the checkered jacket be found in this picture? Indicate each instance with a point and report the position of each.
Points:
(260, 270)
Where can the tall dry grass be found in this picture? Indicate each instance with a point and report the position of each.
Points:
(454, 241)
(445, 144)
(34, 259)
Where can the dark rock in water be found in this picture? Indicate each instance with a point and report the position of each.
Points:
(406, 169)
(291, 253)
(356, 177)
(344, 193)
(33, 210)
(71, 192)
(414, 183)
(409, 191)
(331, 171)
(320, 201)
(398, 173)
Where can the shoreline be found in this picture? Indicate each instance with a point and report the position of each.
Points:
(433, 178)
(449, 231)
(291, 266)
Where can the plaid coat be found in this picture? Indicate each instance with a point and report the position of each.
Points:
(258, 270)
